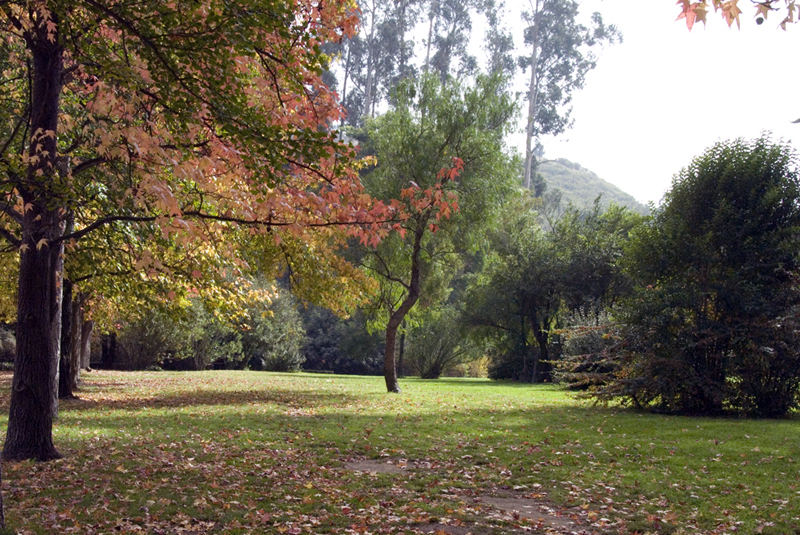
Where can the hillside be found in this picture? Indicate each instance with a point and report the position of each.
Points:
(581, 186)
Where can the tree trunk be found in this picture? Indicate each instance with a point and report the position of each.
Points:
(397, 317)
(533, 90)
(86, 344)
(65, 369)
(544, 352)
(2, 506)
(402, 349)
(76, 343)
(109, 355)
(432, 17)
(34, 392)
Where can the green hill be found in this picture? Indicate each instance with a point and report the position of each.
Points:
(581, 186)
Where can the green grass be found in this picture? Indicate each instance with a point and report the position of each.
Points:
(254, 452)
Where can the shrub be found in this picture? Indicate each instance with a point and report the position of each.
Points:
(437, 344)
(274, 335)
(710, 326)
(590, 357)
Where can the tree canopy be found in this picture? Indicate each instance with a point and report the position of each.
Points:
(112, 120)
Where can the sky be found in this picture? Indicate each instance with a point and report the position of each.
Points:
(666, 94)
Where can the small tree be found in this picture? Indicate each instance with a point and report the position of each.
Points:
(440, 152)
(711, 325)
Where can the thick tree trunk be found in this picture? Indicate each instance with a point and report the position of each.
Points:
(397, 317)
(34, 392)
(35, 384)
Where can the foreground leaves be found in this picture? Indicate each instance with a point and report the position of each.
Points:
(248, 452)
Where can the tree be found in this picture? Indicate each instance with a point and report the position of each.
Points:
(185, 119)
(712, 324)
(449, 24)
(697, 11)
(533, 278)
(559, 59)
(440, 152)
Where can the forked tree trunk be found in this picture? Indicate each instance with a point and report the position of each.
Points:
(34, 387)
(397, 317)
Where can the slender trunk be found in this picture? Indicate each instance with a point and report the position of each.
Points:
(544, 352)
(397, 317)
(403, 67)
(65, 369)
(533, 90)
(34, 392)
(402, 350)
(86, 344)
(371, 60)
(431, 18)
(2, 506)
(76, 345)
(346, 75)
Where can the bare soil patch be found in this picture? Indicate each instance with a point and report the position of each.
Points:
(538, 511)
(377, 467)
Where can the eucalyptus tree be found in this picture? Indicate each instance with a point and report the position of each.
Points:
(560, 55)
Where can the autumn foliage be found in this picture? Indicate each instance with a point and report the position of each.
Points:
(730, 11)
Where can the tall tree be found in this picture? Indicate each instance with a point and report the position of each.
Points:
(378, 57)
(187, 119)
(440, 151)
(449, 26)
(560, 57)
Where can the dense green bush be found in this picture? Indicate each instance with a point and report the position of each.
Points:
(188, 339)
(438, 344)
(274, 335)
(712, 324)
(340, 345)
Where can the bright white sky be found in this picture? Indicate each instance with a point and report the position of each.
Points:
(665, 94)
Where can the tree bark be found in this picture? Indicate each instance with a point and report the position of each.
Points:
(533, 90)
(397, 317)
(65, 369)
(76, 342)
(35, 385)
(34, 393)
(86, 344)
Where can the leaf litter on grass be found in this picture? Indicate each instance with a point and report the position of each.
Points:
(248, 452)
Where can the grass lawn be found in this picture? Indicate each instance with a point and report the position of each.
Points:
(254, 452)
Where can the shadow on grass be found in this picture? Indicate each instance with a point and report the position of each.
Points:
(200, 398)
